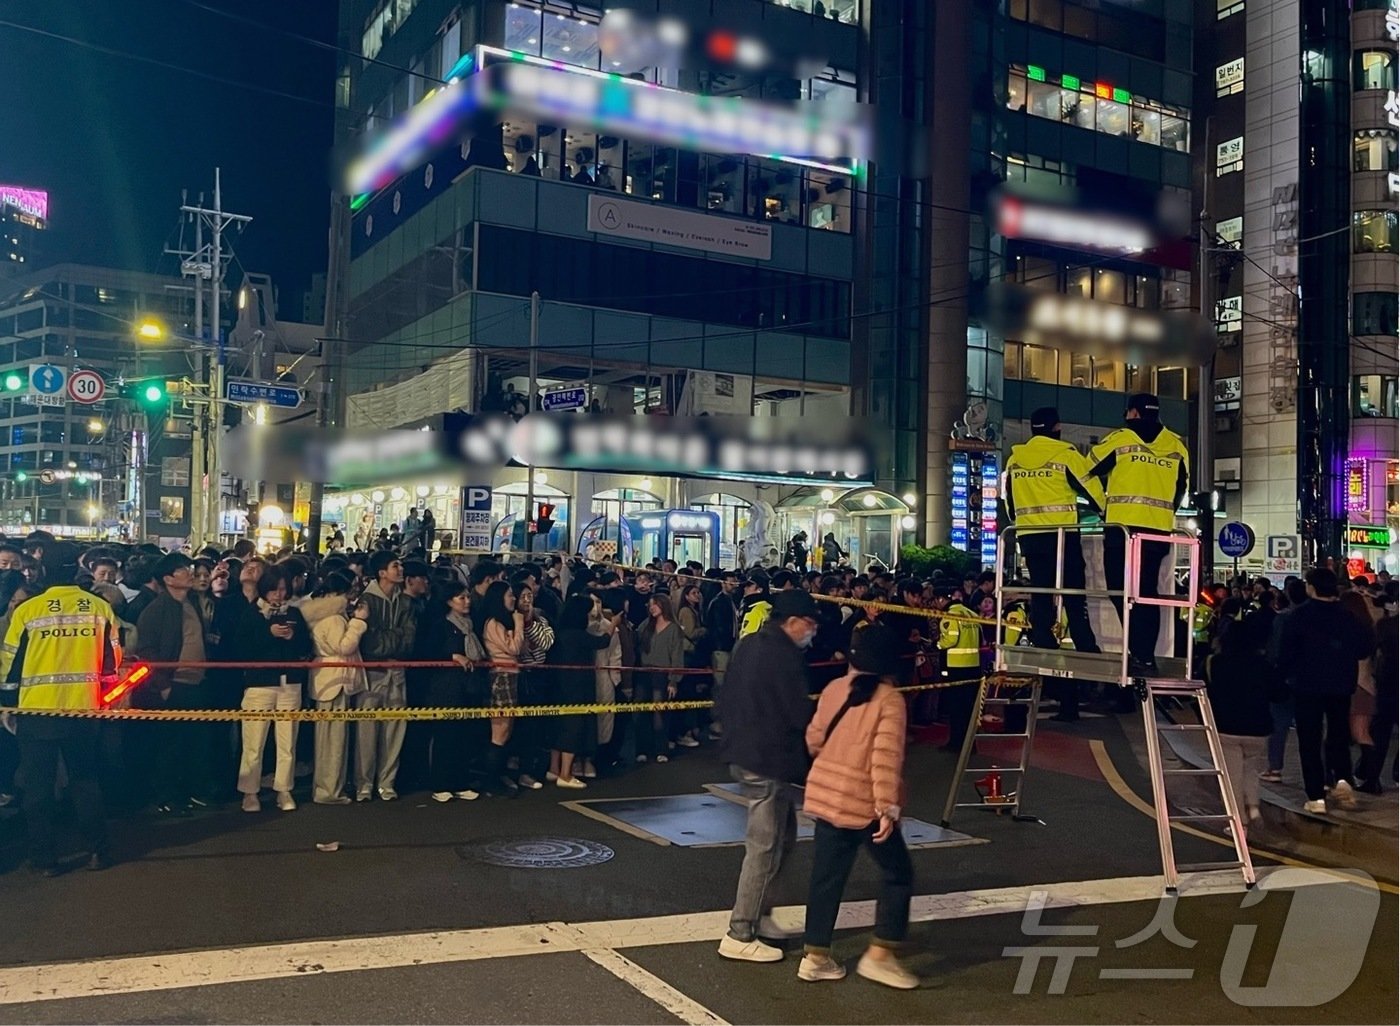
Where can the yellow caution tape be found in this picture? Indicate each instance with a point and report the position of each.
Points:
(437, 713)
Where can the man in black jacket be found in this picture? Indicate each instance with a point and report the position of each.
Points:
(722, 626)
(1319, 649)
(765, 709)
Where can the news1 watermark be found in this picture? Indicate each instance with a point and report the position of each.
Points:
(1316, 956)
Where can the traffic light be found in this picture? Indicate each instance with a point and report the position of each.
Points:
(148, 392)
(15, 380)
(545, 521)
(21, 476)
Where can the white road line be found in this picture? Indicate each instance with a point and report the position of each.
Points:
(140, 973)
(690, 1012)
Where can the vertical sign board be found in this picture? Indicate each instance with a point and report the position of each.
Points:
(476, 518)
(972, 494)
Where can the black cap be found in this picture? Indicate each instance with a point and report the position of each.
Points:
(788, 604)
(944, 589)
(1146, 405)
(874, 649)
(1045, 419)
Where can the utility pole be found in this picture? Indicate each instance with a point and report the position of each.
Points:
(529, 409)
(217, 220)
(199, 433)
(330, 392)
(1205, 393)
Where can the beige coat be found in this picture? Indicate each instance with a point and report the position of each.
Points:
(337, 639)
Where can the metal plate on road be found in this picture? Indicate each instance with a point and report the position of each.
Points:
(537, 852)
(565, 399)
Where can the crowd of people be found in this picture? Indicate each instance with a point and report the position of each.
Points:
(389, 629)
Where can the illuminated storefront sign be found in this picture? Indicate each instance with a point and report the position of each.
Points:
(1082, 229)
(503, 82)
(1364, 536)
(973, 493)
(29, 201)
(1358, 484)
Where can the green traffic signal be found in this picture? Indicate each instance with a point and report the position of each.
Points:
(14, 381)
(21, 476)
(153, 393)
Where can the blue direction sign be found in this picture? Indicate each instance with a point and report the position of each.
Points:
(46, 379)
(254, 392)
(565, 399)
(1236, 539)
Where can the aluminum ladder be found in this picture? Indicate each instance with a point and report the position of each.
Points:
(1186, 692)
(1019, 691)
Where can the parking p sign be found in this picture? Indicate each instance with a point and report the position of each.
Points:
(1236, 539)
(476, 517)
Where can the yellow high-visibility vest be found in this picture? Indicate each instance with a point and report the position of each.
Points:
(1142, 481)
(960, 640)
(66, 639)
(1037, 481)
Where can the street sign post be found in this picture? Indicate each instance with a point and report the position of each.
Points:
(86, 387)
(1236, 540)
(564, 399)
(476, 518)
(251, 393)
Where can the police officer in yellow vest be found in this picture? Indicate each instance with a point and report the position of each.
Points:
(960, 641)
(1145, 469)
(58, 647)
(1044, 478)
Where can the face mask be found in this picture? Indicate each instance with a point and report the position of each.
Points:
(1055, 435)
(807, 638)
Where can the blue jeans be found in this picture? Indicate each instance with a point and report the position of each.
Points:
(1282, 713)
(768, 841)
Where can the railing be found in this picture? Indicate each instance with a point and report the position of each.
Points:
(1132, 566)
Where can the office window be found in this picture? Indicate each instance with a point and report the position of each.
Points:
(1374, 150)
(1039, 364)
(1374, 395)
(1229, 77)
(175, 471)
(1171, 382)
(1374, 313)
(1229, 156)
(1109, 286)
(1012, 364)
(1076, 370)
(1108, 375)
(523, 29)
(172, 509)
(1373, 69)
(1374, 231)
(1225, 8)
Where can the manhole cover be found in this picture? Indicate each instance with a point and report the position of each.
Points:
(538, 852)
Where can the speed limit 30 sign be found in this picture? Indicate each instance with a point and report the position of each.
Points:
(86, 386)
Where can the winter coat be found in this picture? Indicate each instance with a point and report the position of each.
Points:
(389, 633)
(337, 639)
(858, 771)
(1320, 647)
(255, 644)
(764, 706)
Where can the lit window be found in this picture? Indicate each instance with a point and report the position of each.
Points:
(1374, 150)
(1225, 8)
(1374, 69)
(1374, 231)
(1229, 156)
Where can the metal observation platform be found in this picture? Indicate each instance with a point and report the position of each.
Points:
(1022, 670)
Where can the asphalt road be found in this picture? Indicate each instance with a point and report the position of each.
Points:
(229, 917)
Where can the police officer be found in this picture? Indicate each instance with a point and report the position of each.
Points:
(960, 640)
(1145, 469)
(56, 650)
(1044, 476)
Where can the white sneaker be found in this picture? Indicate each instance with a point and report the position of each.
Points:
(551, 776)
(573, 782)
(286, 802)
(1344, 793)
(820, 967)
(1254, 814)
(887, 971)
(529, 782)
(663, 758)
(687, 742)
(589, 771)
(251, 803)
(467, 796)
(641, 759)
(1319, 807)
(749, 951)
(386, 795)
(363, 796)
(442, 796)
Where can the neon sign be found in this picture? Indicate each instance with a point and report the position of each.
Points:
(29, 201)
(1358, 482)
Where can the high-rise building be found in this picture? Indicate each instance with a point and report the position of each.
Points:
(24, 217)
(1300, 185)
(79, 469)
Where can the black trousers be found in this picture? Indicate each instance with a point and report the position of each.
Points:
(1040, 553)
(41, 743)
(1325, 761)
(833, 857)
(1146, 619)
(956, 703)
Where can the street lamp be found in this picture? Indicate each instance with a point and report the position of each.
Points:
(95, 426)
(150, 330)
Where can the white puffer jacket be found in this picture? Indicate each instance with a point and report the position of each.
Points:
(337, 639)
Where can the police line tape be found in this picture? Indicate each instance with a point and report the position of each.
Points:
(853, 603)
(448, 713)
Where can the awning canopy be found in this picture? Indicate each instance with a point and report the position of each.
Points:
(852, 501)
